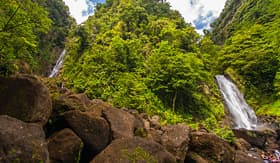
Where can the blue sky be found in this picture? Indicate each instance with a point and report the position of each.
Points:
(198, 12)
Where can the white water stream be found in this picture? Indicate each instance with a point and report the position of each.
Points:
(58, 64)
(242, 114)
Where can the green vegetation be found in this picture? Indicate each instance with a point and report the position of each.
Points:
(30, 31)
(250, 33)
(52, 43)
(141, 54)
(138, 155)
(21, 21)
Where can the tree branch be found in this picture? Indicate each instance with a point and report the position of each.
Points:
(10, 19)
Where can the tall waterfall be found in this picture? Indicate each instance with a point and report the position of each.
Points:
(58, 65)
(243, 115)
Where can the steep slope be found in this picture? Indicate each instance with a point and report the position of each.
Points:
(142, 55)
(249, 32)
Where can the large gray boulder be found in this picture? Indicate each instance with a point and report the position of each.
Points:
(135, 149)
(26, 98)
(22, 142)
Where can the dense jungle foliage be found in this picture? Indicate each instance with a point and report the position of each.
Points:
(140, 54)
(249, 32)
(31, 31)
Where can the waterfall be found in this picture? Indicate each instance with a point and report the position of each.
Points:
(58, 65)
(243, 115)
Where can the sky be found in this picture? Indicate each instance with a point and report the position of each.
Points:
(200, 13)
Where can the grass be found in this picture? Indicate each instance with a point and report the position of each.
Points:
(270, 109)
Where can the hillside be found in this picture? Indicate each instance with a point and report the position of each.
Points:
(249, 32)
(142, 55)
(138, 83)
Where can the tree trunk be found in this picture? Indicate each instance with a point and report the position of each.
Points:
(174, 101)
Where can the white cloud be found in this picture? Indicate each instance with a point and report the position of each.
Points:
(192, 9)
(76, 8)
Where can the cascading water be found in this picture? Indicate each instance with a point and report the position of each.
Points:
(243, 115)
(58, 65)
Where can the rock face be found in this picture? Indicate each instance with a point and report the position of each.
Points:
(194, 158)
(94, 131)
(176, 140)
(26, 98)
(135, 149)
(65, 146)
(242, 145)
(256, 138)
(211, 147)
(242, 157)
(21, 142)
(122, 123)
(72, 101)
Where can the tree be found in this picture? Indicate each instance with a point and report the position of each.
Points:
(175, 77)
(21, 21)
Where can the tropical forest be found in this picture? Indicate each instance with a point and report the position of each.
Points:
(137, 83)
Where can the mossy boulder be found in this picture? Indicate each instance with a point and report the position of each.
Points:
(93, 130)
(175, 139)
(123, 124)
(258, 138)
(127, 150)
(22, 142)
(211, 147)
(26, 98)
(65, 146)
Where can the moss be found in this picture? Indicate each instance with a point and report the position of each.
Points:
(236, 78)
(138, 154)
(226, 133)
(271, 109)
(142, 132)
(80, 153)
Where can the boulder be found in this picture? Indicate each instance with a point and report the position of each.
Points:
(211, 147)
(65, 146)
(135, 149)
(63, 103)
(98, 106)
(242, 144)
(26, 98)
(71, 101)
(175, 139)
(122, 123)
(256, 138)
(93, 130)
(155, 135)
(155, 121)
(194, 158)
(241, 157)
(21, 142)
